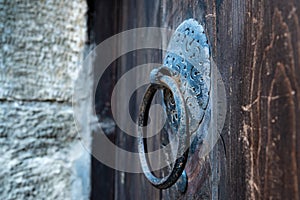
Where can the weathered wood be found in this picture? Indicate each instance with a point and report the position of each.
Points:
(256, 47)
(271, 108)
(135, 13)
(102, 23)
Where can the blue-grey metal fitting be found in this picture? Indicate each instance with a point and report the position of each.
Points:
(185, 81)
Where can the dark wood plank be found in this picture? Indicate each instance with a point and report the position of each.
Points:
(256, 47)
(134, 14)
(102, 24)
(271, 108)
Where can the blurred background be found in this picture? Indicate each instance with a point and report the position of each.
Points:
(42, 46)
(255, 44)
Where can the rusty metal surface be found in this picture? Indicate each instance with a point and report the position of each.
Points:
(168, 83)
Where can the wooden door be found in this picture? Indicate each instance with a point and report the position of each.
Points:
(256, 47)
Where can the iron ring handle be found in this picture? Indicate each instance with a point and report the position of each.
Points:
(164, 82)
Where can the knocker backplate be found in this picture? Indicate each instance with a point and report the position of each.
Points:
(185, 81)
(189, 56)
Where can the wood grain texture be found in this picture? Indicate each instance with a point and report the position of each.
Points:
(271, 111)
(102, 23)
(134, 14)
(256, 47)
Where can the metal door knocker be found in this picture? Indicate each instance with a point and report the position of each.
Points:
(184, 79)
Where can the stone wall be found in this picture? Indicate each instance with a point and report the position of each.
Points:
(42, 44)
